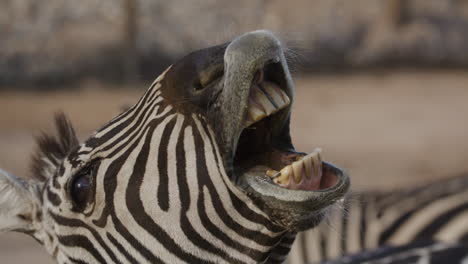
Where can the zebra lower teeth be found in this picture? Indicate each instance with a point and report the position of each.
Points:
(266, 98)
(303, 174)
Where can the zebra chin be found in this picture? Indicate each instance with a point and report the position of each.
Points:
(294, 188)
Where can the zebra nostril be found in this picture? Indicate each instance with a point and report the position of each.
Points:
(258, 77)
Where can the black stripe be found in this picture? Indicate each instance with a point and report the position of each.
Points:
(78, 223)
(184, 189)
(386, 235)
(363, 223)
(76, 261)
(344, 228)
(304, 247)
(323, 245)
(282, 249)
(53, 197)
(140, 115)
(81, 242)
(163, 187)
(123, 231)
(136, 134)
(436, 224)
(137, 210)
(121, 249)
(454, 254)
(153, 93)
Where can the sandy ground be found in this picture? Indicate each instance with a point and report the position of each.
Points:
(386, 129)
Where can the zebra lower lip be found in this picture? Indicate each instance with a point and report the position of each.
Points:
(299, 172)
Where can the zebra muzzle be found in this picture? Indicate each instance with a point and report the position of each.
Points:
(253, 121)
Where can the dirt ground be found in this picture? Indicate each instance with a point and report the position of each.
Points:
(386, 129)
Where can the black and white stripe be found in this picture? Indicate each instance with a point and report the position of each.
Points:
(425, 252)
(162, 217)
(434, 212)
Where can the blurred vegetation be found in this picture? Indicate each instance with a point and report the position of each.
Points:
(56, 42)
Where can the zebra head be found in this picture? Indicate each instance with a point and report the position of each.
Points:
(202, 170)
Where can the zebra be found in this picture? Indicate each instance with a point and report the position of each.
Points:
(201, 169)
(77, 209)
(421, 252)
(436, 211)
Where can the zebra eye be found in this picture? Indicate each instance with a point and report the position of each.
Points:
(80, 188)
(208, 77)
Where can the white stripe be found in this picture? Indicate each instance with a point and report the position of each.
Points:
(334, 238)
(455, 229)
(353, 226)
(424, 217)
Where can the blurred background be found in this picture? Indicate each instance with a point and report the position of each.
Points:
(382, 86)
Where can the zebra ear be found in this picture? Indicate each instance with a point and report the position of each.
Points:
(18, 203)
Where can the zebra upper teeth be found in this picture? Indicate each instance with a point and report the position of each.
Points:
(304, 174)
(266, 98)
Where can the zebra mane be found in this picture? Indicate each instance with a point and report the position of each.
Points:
(52, 149)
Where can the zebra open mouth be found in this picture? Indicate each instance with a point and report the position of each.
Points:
(256, 153)
(288, 169)
(250, 94)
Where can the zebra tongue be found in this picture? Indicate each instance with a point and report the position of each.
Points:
(304, 174)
